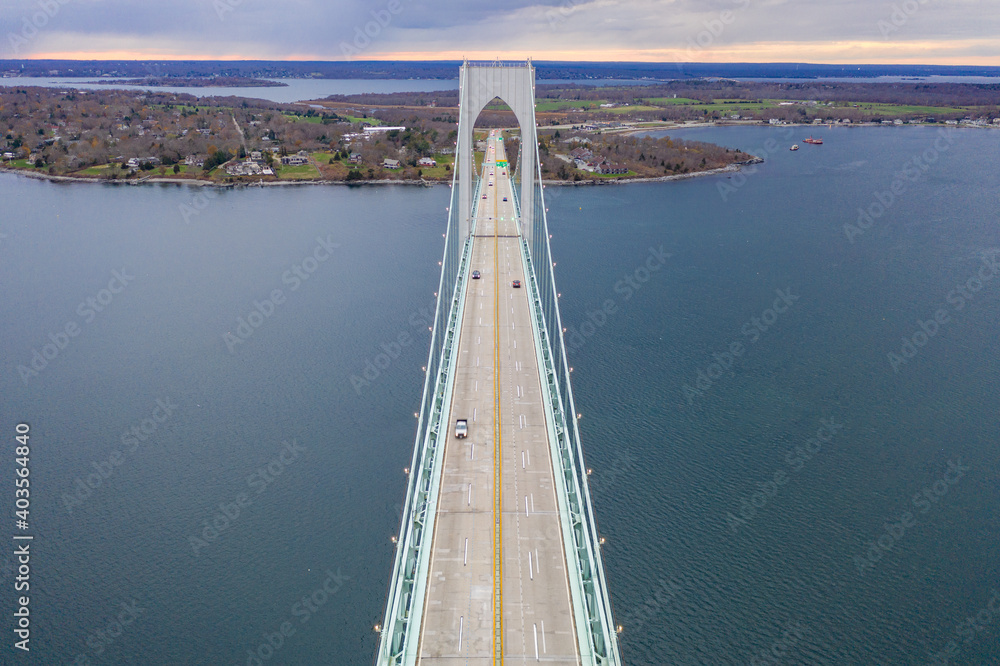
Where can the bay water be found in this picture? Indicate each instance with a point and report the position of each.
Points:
(218, 451)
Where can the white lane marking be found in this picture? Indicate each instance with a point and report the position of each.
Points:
(470, 494)
(474, 454)
(479, 339)
(539, 570)
(474, 414)
(477, 361)
(522, 459)
(532, 501)
(477, 385)
(535, 627)
(515, 344)
(480, 321)
(529, 457)
(461, 626)
(543, 638)
(526, 514)
(465, 559)
(531, 572)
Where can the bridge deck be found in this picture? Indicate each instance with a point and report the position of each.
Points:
(496, 334)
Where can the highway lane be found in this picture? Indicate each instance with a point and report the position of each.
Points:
(497, 380)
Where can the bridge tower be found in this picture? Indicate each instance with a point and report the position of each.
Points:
(479, 84)
(418, 601)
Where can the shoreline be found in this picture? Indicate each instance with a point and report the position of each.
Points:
(191, 182)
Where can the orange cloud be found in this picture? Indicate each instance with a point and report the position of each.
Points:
(927, 52)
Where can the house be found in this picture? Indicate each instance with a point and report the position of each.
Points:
(608, 169)
(427, 162)
(390, 164)
(133, 163)
(581, 153)
(256, 155)
(371, 131)
(355, 158)
(298, 159)
(194, 161)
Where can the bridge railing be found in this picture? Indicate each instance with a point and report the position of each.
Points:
(400, 633)
(582, 539)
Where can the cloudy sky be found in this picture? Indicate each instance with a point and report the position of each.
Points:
(831, 31)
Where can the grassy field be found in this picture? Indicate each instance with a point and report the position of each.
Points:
(374, 122)
(99, 170)
(439, 172)
(614, 175)
(303, 172)
(632, 109)
(669, 101)
(295, 118)
(567, 104)
(324, 157)
(897, 109)
(727, 105)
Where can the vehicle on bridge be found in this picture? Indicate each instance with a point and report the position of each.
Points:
(461, 429)
(516, 284)
(475, 275)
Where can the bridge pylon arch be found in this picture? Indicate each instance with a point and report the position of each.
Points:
(479, 84)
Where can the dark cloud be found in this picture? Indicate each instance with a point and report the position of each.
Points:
(301, 28)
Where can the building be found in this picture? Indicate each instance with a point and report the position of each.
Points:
(370, 131)
(390, 164)
(427, 162)
(298, 159)
(355, 158)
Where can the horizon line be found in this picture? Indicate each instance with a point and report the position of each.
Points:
(172, 58)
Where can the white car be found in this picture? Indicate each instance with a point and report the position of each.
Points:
(461, 429)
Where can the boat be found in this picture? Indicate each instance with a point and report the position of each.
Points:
(815, 142)
(794, 147)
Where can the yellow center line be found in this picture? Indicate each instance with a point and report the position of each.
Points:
(497, 446)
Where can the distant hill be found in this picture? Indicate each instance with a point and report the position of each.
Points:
(448, 69)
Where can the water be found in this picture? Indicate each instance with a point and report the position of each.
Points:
(667, 469)
(296, 90)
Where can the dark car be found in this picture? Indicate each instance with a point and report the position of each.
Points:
(475, 275)
(517, 284)
(505, 198)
